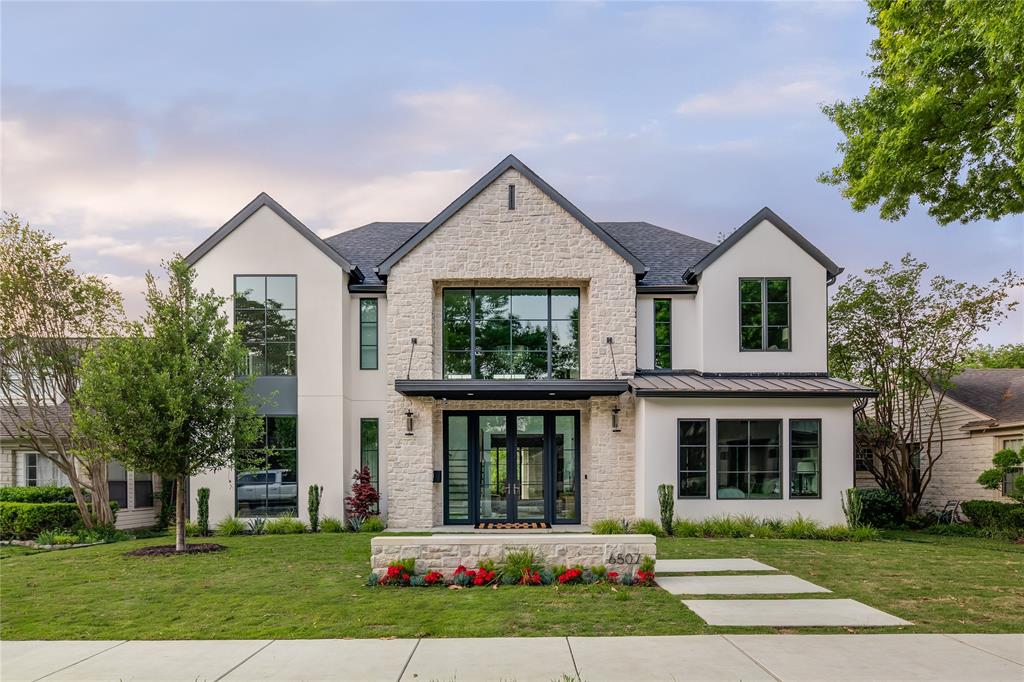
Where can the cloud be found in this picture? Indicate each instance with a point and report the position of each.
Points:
(784, 92)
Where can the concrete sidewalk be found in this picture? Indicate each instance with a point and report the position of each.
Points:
(696, 657)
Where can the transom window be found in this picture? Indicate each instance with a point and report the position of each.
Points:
(764, 314)
(693, 458)
(663, 333)
(749, 459)
(265, 321)
(511, 333)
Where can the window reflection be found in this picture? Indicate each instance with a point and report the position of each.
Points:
(271, 488)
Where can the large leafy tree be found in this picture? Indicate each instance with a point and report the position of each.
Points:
(1009, 356)
(49, 314)
(943, 118)
(165, 397)
(907, 339)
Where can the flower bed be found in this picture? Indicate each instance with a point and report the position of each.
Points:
(402, 573)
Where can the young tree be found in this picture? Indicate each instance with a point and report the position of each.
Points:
(49, 314)
(167, 398)
(1006, 471)
(907, 341)
(942, 119)
(1009, 356)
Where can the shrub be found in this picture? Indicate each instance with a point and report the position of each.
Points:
(995, 515)
(231, 526)
(407, 564)
(355, 524)
(921, 521)
(46, 537)
(37, 494)
(801, 528)
(191, 528)
(881, 508)
(685, 528)
(257, 526)
(203, 517)
(285, 526)
(329, 524)
(1005, 463)
(314, 507)
(372, 524)
(863, 534)
(609, 527)
(853, 508)
(649, 527)
(666, 504)
(516, 564)
(364, 498)
(25, 520)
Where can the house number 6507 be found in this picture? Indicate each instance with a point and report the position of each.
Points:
(621, 558)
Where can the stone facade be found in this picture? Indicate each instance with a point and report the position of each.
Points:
(485, 243)
(445, 553)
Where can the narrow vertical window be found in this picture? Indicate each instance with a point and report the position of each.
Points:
(765, 314)
(143, 489)
(31, 469)
(369, 448)
(117, 483)
(367, 333)
(693, 458)
(663, 333)
(805, 458)
(511, 197)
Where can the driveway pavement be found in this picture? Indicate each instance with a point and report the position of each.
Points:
(592, 659)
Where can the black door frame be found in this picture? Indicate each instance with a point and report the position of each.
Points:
(473, 425)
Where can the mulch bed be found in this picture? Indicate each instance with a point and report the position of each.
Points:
(168, 550)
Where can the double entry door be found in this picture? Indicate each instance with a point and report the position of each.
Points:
(511, 467)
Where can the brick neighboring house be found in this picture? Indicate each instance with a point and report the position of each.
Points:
(512, 360)
(982, 414)
(22, 465)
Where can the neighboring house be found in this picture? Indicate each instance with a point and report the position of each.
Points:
(981, 414)
(22, 465)
(511, 360)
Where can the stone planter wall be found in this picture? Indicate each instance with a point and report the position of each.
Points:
(446, 552)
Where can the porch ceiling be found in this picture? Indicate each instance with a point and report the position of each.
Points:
(476, 389)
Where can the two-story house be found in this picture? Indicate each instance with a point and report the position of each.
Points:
(514, 361)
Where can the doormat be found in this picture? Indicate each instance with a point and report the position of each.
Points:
(513, 526)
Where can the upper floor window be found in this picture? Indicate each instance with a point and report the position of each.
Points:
(367, 333)
(511, 333)
(663, 333)
(764, 314)
(265, 320)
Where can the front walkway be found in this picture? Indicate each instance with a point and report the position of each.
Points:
(592, 659)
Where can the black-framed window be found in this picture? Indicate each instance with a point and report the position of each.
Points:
(31, 469)
(805, 458)
(693, 457)
(367, 333)
(663, 333)
(143, 489)
(511, 333)
(864, 459)
(765, 314)
(369, 448)
(265, 319)
(272, 487)
(749, 459)
(117, 483)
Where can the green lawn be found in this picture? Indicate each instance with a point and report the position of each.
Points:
(312, 586)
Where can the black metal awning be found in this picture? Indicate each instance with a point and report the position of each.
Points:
(694, 385)
(477, 389)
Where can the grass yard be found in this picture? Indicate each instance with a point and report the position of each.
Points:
(311, 586)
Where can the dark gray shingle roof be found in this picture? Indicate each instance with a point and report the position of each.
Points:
(999, 393)
(667, 253)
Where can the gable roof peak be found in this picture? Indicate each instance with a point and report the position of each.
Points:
(509, 162)
(263, 199)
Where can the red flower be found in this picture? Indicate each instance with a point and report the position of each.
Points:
(613, 575)
(433, 578)
(405, 576)
(570, 576)
(460, 570)
(645, 578)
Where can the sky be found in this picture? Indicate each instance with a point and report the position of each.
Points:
(134, 130)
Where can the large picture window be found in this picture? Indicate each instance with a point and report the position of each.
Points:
(367, 333)
(511, 333)
(804, 458)
(764, 314)
(749, 459)
(265, 321)
(272, 487)
(693, 458)
(663, 333)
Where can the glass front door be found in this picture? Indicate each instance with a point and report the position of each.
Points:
(521, 467)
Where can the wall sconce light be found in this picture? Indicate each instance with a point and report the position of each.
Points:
(615, 420)
(408, 422)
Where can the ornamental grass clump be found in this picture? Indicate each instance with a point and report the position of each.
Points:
(647, 526)
(329, 524)
(609, 527)
(285, 526)
(229, 525)
(517, 563)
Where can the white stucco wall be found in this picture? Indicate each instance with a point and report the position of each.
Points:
(685, 332)
(657, 455)
(266, 245)
(763, 252)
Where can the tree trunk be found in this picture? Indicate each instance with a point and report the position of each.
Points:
(100, 494)
(83, 505)
(179, 521)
